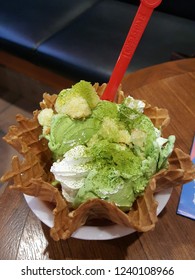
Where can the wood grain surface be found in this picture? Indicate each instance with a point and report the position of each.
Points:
(23, 236)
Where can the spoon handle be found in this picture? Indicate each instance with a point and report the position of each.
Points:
(134, 35)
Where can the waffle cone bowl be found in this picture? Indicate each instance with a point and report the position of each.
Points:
(30, 174)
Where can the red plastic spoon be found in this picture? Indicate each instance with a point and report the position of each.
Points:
(132, 40)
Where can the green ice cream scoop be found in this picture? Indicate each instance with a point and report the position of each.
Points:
(117, 176)
(66, 133)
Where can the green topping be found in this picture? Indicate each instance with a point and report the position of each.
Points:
(116, 177)
(104, 184)
(78, 101)
(105, 109)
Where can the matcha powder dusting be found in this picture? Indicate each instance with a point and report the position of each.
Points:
(116, 175)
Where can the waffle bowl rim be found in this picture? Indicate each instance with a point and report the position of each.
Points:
(102, 232)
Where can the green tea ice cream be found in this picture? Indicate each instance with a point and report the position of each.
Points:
(102, 149)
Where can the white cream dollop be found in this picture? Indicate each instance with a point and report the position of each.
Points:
(71, 171)
(135, 104)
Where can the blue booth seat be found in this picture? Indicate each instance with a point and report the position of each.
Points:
(82, 39)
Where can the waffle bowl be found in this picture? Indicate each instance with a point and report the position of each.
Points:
(31, 176)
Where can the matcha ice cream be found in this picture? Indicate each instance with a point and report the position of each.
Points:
(102, 149)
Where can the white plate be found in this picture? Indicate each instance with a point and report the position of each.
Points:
(44, 213)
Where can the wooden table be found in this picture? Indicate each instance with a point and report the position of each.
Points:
(23, 236)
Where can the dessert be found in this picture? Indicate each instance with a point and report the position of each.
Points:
(95, 159)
